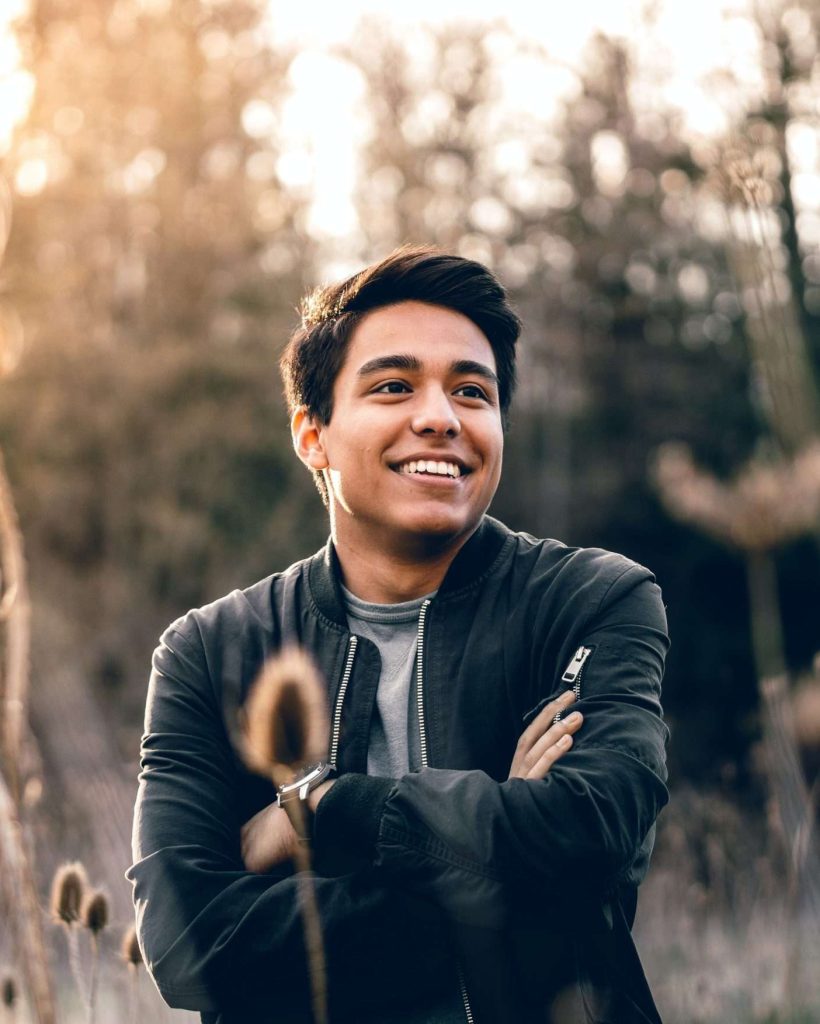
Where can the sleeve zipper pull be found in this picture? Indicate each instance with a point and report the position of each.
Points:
(573, 670)
(572, 674)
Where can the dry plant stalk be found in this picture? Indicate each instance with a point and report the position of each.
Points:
(68, 893)
(795, 804)
(15, 611)
(94, 916)
(286, 727)
(132, 957)
(25, 906)
(744, 178)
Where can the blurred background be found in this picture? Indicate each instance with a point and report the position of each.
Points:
(644, 177)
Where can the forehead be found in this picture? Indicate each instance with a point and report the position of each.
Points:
(435, 335)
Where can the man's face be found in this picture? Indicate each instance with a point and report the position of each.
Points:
(414, 446)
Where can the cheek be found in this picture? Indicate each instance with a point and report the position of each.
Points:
(495, 451)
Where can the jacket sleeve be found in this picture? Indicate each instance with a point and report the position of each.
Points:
(484, 848)
(214, 935)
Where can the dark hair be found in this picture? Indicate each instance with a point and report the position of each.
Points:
(317, 349)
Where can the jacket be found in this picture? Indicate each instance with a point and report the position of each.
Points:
(524, 889)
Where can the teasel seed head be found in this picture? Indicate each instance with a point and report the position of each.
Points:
(9, 991)
(766, 504)
(68, 890)
(130, 949)
(285, 716)
(95, 912)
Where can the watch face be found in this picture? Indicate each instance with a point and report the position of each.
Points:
(309, 777)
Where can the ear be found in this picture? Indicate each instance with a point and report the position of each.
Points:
(308, 439)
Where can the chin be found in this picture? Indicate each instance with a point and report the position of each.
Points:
(439, 526)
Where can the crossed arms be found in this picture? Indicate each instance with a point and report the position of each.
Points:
(269, 838)
(402, 859)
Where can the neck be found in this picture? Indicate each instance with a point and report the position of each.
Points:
(381, 576)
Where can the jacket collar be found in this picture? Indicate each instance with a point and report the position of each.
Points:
(473, 560)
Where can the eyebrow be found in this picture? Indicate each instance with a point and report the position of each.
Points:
(413, 365)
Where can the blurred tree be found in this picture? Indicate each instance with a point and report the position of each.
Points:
(775, 497)
(791, 52)
(146, 176)
(155, 263)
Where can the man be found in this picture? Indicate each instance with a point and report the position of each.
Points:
(475, 859)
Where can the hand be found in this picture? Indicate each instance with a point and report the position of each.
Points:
(268, 839)
(542, 743)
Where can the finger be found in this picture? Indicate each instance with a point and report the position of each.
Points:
(541, 768)
(571, 724)
(525, 761)
(523, 758)
(542, 720)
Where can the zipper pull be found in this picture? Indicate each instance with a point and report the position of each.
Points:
(572, 673)
(573, 670)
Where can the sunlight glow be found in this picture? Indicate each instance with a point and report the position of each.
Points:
(326, 90)
(16, 85)
(609, 162)
(31, 177)
(702, 58)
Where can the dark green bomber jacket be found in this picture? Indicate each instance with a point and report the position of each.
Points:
(525, 890)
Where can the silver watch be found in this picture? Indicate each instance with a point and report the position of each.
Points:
(311, 776)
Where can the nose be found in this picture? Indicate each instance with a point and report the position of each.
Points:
(435, 415)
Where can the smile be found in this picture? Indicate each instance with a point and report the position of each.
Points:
(429, 467)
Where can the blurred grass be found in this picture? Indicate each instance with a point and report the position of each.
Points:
(722, 931)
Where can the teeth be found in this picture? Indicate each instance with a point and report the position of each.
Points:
(429, 466)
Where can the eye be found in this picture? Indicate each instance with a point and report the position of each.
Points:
(391, 387)
(473, 391)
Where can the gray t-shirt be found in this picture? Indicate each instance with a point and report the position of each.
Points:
(394, 748)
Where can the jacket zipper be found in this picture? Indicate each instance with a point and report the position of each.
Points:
(423, 756)
(420, 682)
(337, 711)
(464, 997)
(573, 672)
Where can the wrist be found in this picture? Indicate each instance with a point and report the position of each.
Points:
(316, 795)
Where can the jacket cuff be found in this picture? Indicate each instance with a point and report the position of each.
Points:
(346, 825)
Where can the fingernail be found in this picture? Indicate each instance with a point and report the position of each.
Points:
(574, 717)
(566, 697)
(565, 741)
